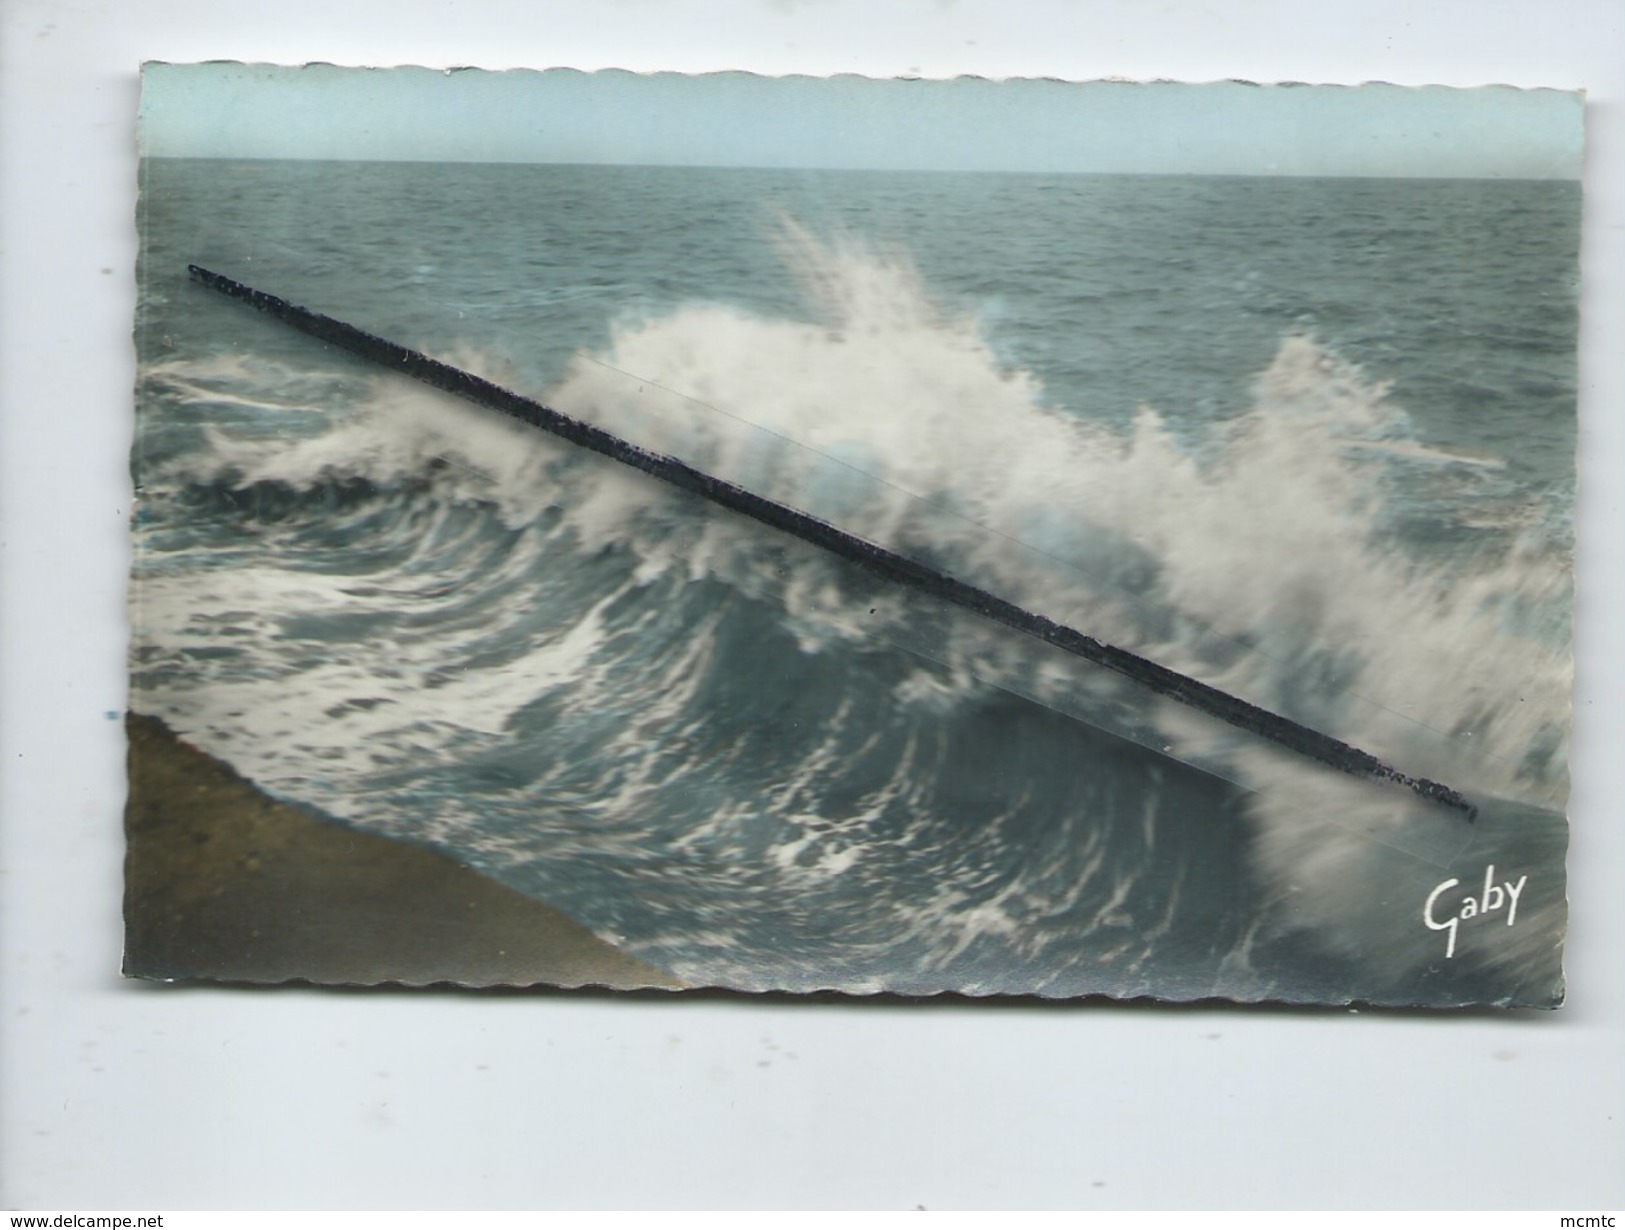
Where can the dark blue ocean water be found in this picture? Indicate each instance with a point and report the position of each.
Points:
(1309, 440)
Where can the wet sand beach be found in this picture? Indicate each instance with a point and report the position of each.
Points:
(225, 883)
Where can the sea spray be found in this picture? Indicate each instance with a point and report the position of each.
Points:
(436, 624)
(1265, 553)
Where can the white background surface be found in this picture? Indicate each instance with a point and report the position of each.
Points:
(120, 1095)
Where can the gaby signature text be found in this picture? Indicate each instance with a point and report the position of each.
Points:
(1445, 910)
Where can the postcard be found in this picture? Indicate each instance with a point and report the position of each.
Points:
(910, 537)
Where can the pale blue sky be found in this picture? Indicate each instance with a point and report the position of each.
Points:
(735, 119)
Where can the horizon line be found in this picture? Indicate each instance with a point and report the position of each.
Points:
(854, 170)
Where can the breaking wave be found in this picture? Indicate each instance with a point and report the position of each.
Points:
(436, 623)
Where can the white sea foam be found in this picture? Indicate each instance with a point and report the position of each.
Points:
(1260, 560)
(1266, 556)
(1268, 547)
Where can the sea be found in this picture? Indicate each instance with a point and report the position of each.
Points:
(1309, 441)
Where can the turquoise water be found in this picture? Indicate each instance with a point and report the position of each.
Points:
(1308, 440)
